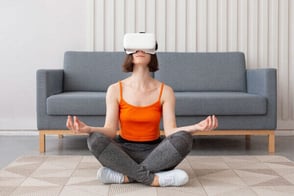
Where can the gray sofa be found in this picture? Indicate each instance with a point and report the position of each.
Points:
(244, 100)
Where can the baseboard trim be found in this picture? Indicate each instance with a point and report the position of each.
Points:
(19, 133)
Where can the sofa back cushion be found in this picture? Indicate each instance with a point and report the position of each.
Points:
(221, 71)
(92, 71)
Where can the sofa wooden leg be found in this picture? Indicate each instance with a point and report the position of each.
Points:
(42, 141)
(271, 142)
(247, 142)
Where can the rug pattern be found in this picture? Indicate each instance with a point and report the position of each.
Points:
(209, 175)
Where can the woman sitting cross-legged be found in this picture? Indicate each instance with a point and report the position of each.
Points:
(135, 106)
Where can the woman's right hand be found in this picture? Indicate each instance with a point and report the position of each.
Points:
(76, 125)
(208, 124)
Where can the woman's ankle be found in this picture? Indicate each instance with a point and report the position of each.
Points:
(126, 179)
(175, 177)
(155, 181)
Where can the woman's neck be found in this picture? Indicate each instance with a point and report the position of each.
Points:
(141, 80)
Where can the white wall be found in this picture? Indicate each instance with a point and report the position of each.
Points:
(35, 33)
(262, 29)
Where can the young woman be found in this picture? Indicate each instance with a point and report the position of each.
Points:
(135, 106)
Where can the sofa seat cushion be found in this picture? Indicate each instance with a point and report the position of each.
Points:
(77, 103)
(219, 103)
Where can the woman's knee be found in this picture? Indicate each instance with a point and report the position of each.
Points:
(182, 141)
(97, 142)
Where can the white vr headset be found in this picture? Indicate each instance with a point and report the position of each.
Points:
(140, 41)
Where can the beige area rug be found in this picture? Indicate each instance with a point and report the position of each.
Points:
(209, 175)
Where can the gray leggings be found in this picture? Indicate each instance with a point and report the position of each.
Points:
(139, 161)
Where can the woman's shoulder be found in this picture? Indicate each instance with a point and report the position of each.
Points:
(114, 85)
(167, 91)
(167, 88)
(113, 88)
(167, 94)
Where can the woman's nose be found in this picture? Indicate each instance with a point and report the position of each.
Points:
(140, 51)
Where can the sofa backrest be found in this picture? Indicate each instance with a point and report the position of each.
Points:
(203, 71)
(92, 71)
(220, 71)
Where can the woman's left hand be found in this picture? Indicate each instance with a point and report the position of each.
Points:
(207, 124)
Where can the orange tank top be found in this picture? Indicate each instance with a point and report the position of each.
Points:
(140, 123)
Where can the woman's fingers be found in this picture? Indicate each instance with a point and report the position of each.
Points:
(209, 124)
(212, 122)
(76, 124)
(69, 122)
(215, 122)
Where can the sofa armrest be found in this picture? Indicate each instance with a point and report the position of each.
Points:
(264, 82)
(49, 82)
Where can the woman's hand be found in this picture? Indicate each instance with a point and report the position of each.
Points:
(207, 124)
(76, 125)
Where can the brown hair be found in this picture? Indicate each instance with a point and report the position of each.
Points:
(128, 65)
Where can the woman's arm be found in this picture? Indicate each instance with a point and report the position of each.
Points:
(169, 119)
(111, 119)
